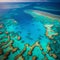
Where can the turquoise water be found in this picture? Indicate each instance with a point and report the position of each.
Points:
(38, 32)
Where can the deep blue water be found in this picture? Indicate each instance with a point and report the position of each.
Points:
(30, 5)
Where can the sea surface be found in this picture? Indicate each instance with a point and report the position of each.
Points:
(30, 31)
